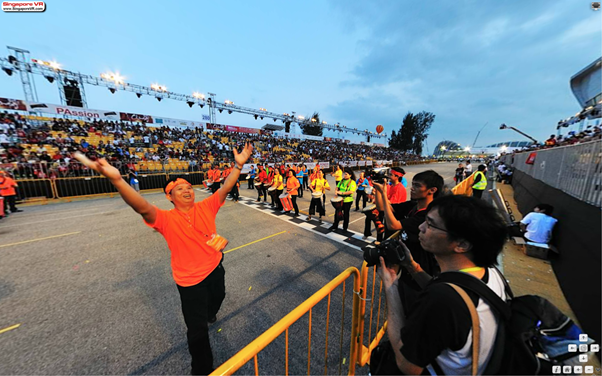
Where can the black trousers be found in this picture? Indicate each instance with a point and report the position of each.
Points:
(478, 193)
(262, 192)
(360, 194)
(368, 227)
(215, 186)
(277, 199)
(300, 190)
(294, 201)
(234, 192)
(305, 182)
(346, 210)
(200, 303)
(251, 184)
(316, 203)
(9, 201)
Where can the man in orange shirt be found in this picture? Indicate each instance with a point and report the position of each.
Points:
(196, 249)
(7, 191)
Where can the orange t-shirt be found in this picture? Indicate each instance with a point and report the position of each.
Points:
(292, 184)
(187, 234)
(7, 187)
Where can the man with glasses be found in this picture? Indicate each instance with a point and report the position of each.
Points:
(465, 235)
(407, 216)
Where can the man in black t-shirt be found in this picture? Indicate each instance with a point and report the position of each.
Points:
(465, 235)
(407, 216)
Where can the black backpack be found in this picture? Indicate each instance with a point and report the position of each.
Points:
(529, 328)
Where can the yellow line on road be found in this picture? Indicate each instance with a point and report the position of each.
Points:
(9, 328)
(36, 240)
(256, 241)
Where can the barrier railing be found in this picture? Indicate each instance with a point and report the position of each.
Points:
(574, 169)
(364, 351)
(255, 347)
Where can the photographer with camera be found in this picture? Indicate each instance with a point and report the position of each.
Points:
(407, 216)
(196, 248)
(465, 235)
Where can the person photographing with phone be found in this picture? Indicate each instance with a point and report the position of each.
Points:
(196, 248)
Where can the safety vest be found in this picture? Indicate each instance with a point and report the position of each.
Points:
(481, 184)
(350, 186)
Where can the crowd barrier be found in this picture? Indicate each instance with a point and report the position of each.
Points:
(364, 284)
(574, 169)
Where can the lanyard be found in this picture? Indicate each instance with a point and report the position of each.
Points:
(473, 269)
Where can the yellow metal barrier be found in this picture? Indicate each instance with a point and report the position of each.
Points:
(251, 350)
(465, 187)
(364, 351)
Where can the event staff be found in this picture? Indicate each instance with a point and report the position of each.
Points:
(319, 185)
(300, 178)
(196, 249)
(261, 189)
(292, 187)
(480, 181)
(7, 191)
(362, 183)
(346, 188)
(252, 175)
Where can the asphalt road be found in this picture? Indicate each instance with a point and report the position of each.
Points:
(90, 287)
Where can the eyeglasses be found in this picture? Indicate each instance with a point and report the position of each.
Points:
(430, 225)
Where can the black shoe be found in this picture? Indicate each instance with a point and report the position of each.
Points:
(344, 228)
(212, 320)
(17, 211)
(258, 200)
(332, 228)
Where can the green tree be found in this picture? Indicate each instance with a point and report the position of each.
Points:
(414, 130)
(311, 128)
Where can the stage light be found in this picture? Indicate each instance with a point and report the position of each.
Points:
(261, 117)
(275, 120)
(324, 122)
(190, 104)
(255, 116)
(220, 110)
(158, 87)
(112, 90)
(230, 112)
(262, 109)
(54, 65)
(313, 120)
(8, 71)
(201, 105)
(12, 59)
(159, 98)
(228, 102)
(138, 95)
(49, 78)
(301, 117)
(196, 94)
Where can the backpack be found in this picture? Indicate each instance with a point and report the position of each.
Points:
(533, 335)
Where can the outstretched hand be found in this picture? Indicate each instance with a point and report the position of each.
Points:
(242, 157)
(101, 166)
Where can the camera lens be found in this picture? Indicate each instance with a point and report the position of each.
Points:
(371, 255)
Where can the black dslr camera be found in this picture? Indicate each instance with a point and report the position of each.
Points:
(377, 175)
(391, 250)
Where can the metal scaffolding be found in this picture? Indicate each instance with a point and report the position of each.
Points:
(28, 67)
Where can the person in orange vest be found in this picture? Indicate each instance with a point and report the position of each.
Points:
(7, 191)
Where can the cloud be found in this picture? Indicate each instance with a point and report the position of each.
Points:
(467, 62)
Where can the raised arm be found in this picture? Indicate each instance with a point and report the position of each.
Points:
(128, 194)
(381, 197)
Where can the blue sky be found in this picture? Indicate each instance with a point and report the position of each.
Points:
(360, 63)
